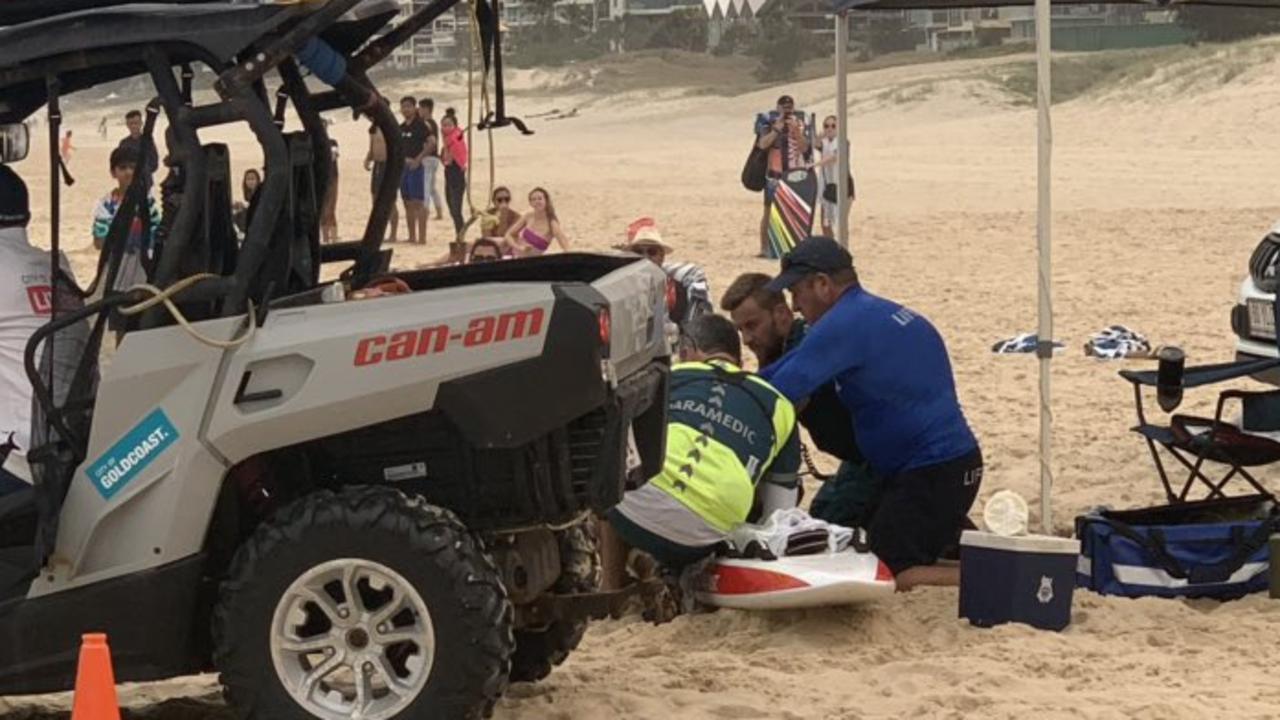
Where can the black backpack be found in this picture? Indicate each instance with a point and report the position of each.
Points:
(755, 171)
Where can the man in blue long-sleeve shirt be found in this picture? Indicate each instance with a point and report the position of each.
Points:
(891, 371)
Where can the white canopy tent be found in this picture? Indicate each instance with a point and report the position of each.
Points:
(1044, 206)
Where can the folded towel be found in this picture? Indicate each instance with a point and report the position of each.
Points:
(790, 531)
(1019, 344)
(1117, 342)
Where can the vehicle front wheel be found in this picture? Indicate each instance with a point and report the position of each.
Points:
(363, 604)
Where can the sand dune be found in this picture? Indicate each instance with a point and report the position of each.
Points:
(1163, 184)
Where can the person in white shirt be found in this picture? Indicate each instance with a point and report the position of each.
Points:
(26, 303)
(828, 176)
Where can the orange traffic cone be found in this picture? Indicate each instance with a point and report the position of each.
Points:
(95, 697)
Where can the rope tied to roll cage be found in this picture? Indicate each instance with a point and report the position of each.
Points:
(477, 46)
(491, 118)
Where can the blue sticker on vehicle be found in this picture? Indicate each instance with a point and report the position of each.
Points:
(132, 454)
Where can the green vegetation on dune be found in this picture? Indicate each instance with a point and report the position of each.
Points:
(1181, 68)
(1009, 69)
(1072, 77)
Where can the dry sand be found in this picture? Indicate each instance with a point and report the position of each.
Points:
(1162, 188)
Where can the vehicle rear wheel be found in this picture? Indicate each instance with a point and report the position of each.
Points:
(538, 652)
(363, 604)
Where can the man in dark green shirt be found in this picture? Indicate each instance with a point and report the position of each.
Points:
(771, 330)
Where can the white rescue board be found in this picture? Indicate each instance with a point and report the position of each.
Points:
(804, 581)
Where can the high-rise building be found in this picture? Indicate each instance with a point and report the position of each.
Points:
(619, 9)
(438, 42)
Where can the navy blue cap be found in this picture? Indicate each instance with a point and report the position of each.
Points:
(810, 256)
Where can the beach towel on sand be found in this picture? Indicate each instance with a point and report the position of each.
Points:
(1021, 344)
(1117, 342)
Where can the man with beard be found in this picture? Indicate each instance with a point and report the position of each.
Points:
(771, 329)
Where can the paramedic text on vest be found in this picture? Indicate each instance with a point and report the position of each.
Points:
(26, 303)
(731, 446)
(893, 375)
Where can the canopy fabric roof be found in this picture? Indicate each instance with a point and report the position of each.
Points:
(842, 5)
(15, 12)
(107, 40)
(220, 29)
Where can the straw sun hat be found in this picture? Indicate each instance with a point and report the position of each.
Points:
(644, 233)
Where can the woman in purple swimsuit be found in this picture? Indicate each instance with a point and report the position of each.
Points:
(533, 233)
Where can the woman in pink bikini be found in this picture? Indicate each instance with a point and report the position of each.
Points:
(533, 233)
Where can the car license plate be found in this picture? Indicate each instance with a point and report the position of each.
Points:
(1262, 319)
(633, 453)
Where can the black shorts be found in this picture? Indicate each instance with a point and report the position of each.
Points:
(922, 510)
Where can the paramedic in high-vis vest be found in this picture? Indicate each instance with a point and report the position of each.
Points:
(26, 303)
(731, 447)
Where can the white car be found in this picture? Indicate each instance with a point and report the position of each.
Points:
(1254, 319)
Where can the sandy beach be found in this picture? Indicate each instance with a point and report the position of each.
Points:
(1163, 184)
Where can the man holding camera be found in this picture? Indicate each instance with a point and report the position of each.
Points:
(782, 133)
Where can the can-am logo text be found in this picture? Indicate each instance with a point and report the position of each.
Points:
(435, 339)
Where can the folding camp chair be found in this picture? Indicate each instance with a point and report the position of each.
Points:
(1195, 441)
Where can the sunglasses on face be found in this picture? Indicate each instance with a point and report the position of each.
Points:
(483, 257)
(501, 200)
(650, 251)
(829, 127)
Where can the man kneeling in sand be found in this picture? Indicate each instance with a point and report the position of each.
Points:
(893, 375)
(731, 445)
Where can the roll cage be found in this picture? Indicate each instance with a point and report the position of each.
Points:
(51, 49)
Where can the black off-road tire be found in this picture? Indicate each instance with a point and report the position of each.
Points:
(458, 583)
(538, 652)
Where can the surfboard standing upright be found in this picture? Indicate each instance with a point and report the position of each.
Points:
(791, 213)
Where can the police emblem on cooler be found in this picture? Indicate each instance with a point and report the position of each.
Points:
(1045, 594)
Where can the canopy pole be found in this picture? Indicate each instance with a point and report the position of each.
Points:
(842, 128)
(1044, 350)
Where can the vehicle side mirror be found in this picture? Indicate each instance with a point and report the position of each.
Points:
(15, 142)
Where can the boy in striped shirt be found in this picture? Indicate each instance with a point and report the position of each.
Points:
(139, 244)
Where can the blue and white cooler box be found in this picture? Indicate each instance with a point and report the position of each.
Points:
(1027, 579)
(1210, 548)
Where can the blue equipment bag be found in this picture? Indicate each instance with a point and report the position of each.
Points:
(1210, 548)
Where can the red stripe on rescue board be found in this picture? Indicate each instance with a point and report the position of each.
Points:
(731, 580)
